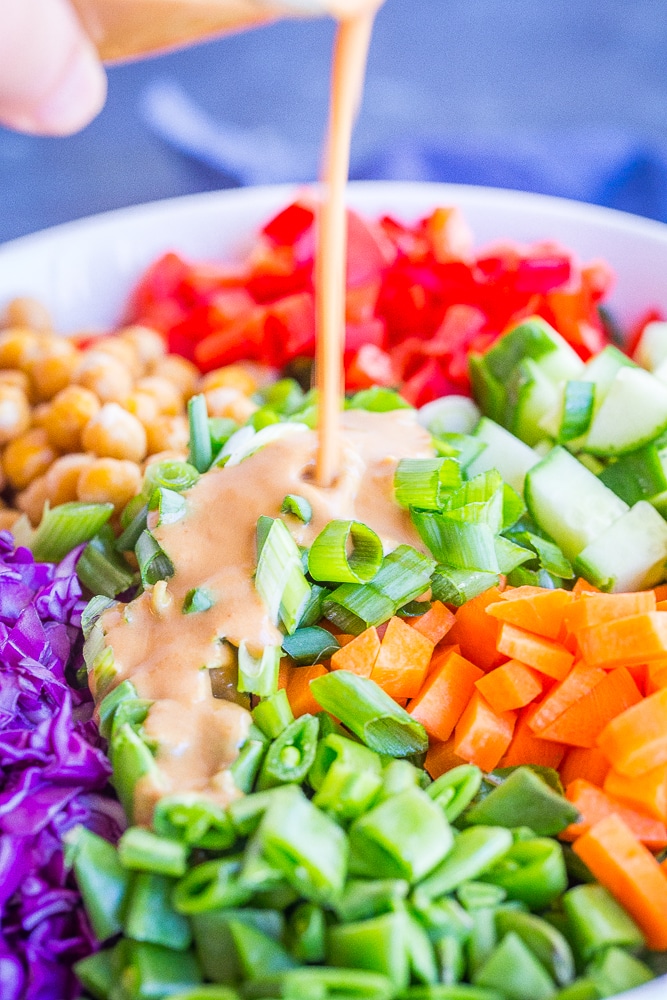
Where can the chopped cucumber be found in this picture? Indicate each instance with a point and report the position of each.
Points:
(449, 415)
(531, 396)
(503, 451)
(633, 412)
(569, 503)
(639, 475)
(651, 351)
(630, 555)
(603, 368)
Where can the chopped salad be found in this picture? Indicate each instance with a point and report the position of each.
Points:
(404, 738)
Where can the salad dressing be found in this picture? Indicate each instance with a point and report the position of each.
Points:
(167, 653)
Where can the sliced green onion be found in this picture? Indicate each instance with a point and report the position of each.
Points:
(262, 532)
(142, 850)
(171, 474)
(550, 556)
(93, 611)
(404, 574)
(456, 542)
(377, 399)
(513, 506)
(197, 599)
(299, 506)
(64, 527)
(328, 559)
(510, 555)
(578, 403)
(259, 675)
(154, 563)
(465, 448)
(195, 821)
(353, 607)
(128, 539)
(456, 586)
(169, 504)
(291, 754)
(103, 570)
(245, 768)
(479, 489)
(280, 580)
(370, 714)
(273, 715)
(310, 645)
(200, 452)
(284, 396)
(106, 710)
(422, 482)
(312, 610)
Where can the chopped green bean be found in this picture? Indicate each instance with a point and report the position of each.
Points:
(149, 915)
(524, 793)
(475, 850)
(378, 945)
(101, 878)
(513, 970)
(532, 871)
(211, 885)
(545, 941)
(596, 921)
(454, 790)
(141, 850)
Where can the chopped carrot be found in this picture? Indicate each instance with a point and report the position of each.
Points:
(660, 592)
(593, 805)
(445, 694)
(599, 608)
(482, 736)
(476, 632)
(345, 639)
(584, 587)
(527, 748)
(647, 793)
(639, 674)
(581, 724)
(576, 685)
(284, 671)
(630, 873)
(586, 763)
(661, 606)
(656, 676)
(439, 655)
(298, 689)
(436, 623)
(550, 658)
(359, 655)
(401, 665)
(509, 686)
(636, 741)
(440, 757)
(534, 609)
(625, 641)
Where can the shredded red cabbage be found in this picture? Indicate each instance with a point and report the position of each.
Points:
(53, 774)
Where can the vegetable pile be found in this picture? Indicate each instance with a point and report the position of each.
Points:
(418, 300)
(53, 776)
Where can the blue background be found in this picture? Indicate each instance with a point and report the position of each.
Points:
(564, 97)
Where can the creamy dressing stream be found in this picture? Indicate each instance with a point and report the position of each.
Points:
(167, 654)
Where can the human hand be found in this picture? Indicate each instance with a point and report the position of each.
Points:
(51, 79)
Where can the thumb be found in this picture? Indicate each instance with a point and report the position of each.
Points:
(51, 80)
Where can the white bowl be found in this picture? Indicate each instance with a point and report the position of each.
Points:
(82, 271)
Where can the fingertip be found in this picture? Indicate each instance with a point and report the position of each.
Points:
(77, 97)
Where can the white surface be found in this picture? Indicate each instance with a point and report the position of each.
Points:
(83, 270)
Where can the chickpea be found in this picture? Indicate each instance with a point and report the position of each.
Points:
(8, 519)
(40, 415)
(52, 367)
(148, 343)
(180, 371)
(14, 412)
(104, 375)
(121, 350)
(109, 480)
(17, 345)
(69, 412)
(27, 457)
(166, 394)
(12, 376)
(27, 312)
(115, 433)
(229, 403)
(62, 478)
(229, 377)
(143, 406)
(168, 434)
(32, 499)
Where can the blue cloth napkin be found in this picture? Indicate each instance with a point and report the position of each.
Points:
(604, 166)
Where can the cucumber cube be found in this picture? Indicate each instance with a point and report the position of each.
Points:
(630, 555)
(633, 412)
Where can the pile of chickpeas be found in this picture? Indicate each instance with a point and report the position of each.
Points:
(81, 417)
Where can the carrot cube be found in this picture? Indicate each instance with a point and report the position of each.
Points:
(403, 660)
(534, 609)
(593, 805)
(550, 658)
(436, 623)
(527, 748)
(510, 686)
(636, 741)
(586, 763)
(476, 632)
(482, 736)
(445, 694)
(581, 724)
(647, 792)
(359, 655)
